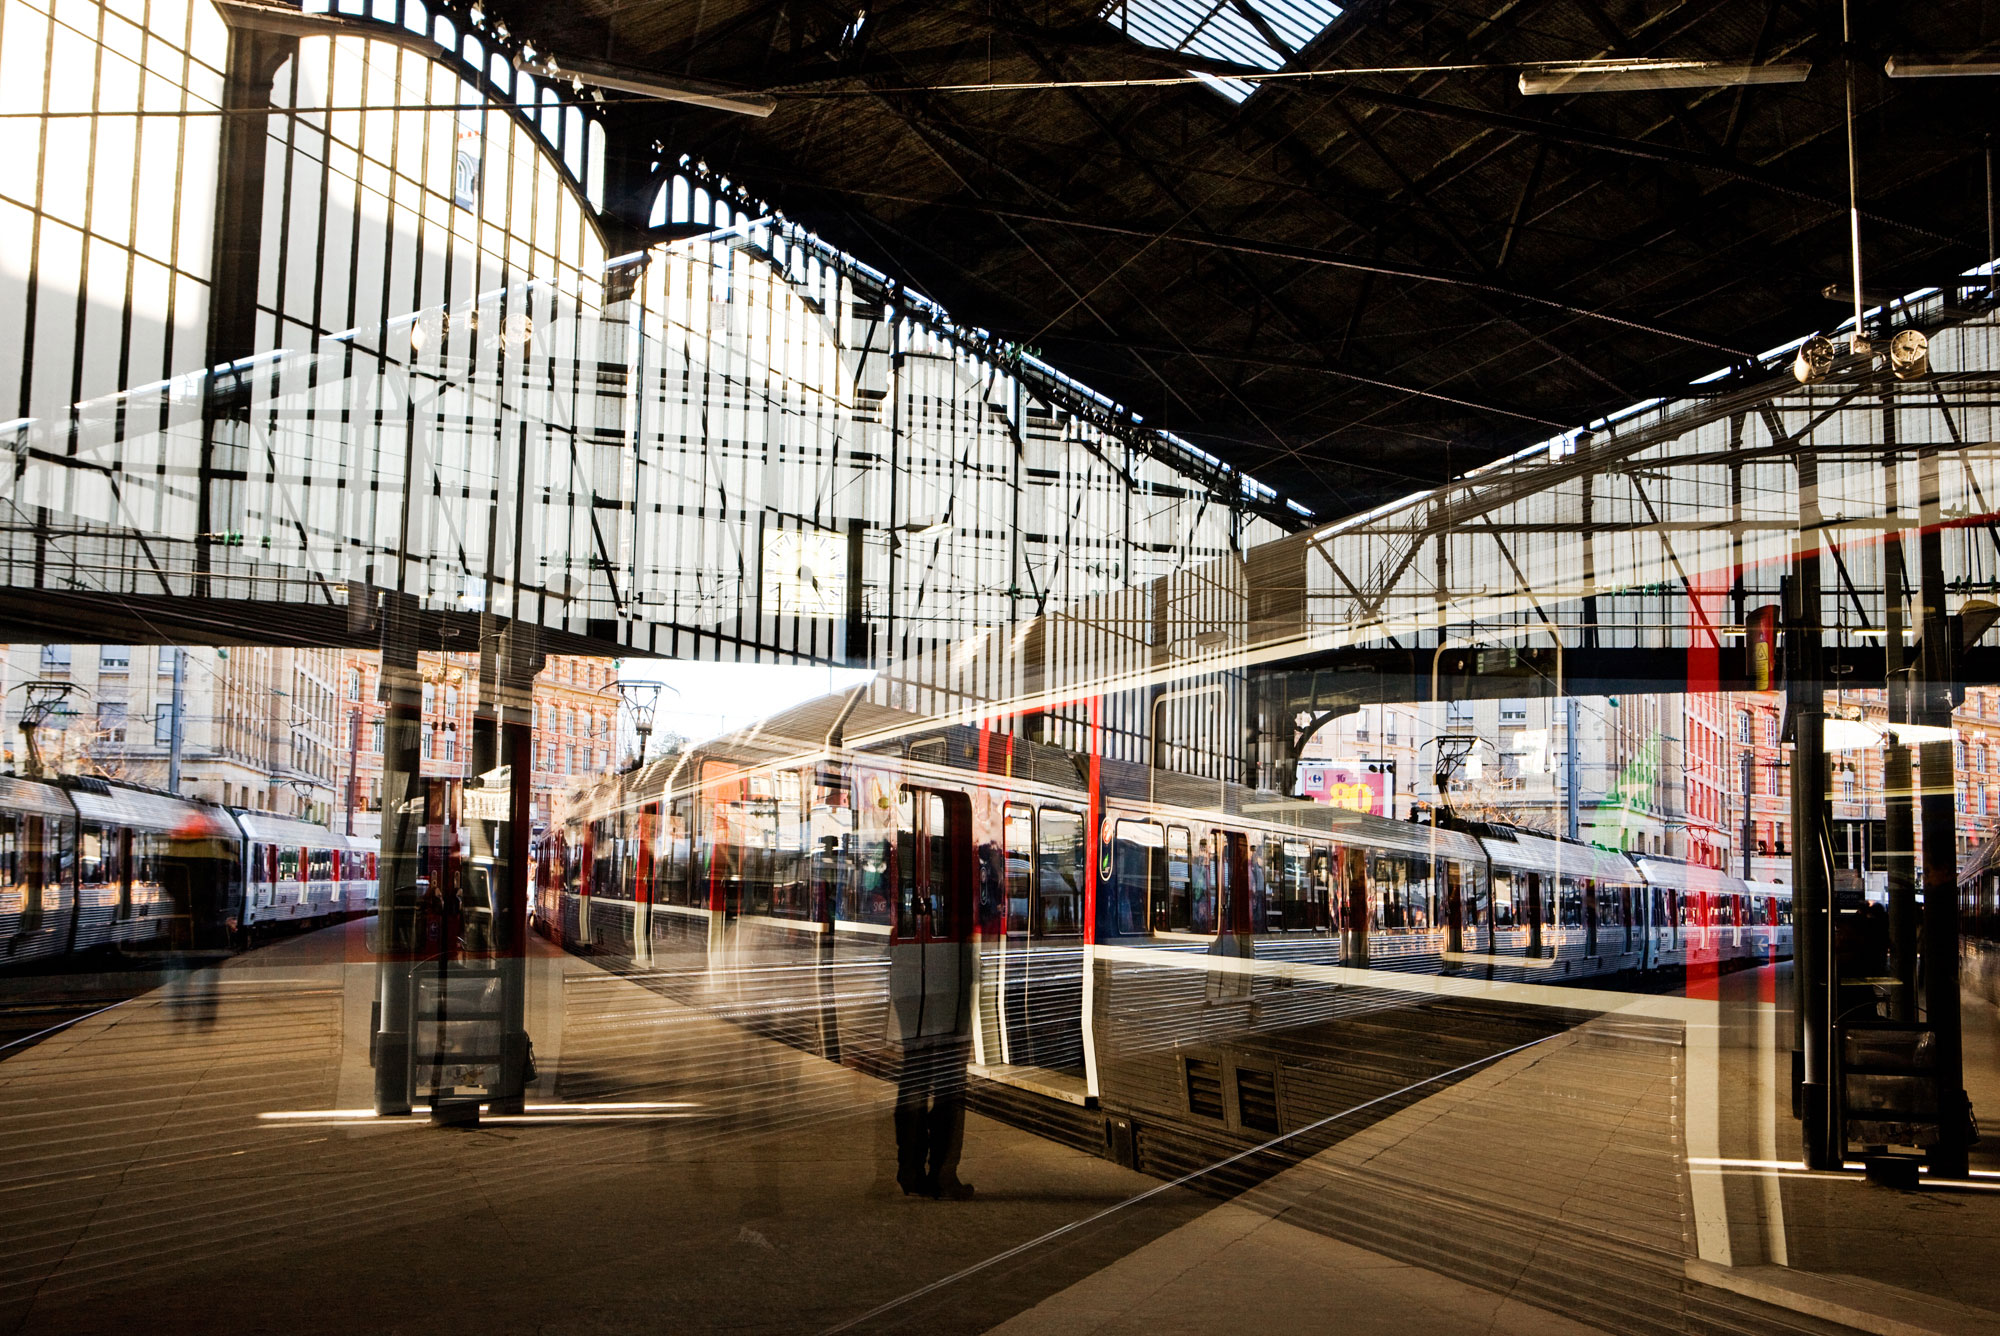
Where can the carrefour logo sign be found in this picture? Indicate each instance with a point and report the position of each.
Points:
(1355, 788)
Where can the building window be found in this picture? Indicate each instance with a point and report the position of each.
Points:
(451, 700)
(1513, 711)
(1770, 730)
(376, 731)
(114, 658)
(354, 684)
(111, 721)
(430, 742)
(374, 795)
(1847, 785)
(1743, 727)
(55, 658)
(430, 696)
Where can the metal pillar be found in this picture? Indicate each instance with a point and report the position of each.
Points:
(254, 60)
(353, 761)
(1572, 773)
(1899, 806)
(399, 864)
(1932, 703)
(1749, 817)
(1812, 853)
(177, 725)
(503, 747)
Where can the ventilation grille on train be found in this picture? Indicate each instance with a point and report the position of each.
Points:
(1257, 1099)
(1204, 1088)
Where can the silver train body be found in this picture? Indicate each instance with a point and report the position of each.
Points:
(955, 881)
(88, 864)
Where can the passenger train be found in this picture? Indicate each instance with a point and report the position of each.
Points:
(1979, 921)
(88, 863)
(1089, 927)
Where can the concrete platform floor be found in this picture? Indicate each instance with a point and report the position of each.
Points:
(194, 1160)
(200, 1159)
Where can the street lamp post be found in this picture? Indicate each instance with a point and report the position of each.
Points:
(641, 700)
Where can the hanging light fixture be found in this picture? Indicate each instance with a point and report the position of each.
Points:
(1815, 360)
(1909, 355)
(1637, 75)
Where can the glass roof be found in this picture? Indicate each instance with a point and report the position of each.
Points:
(1264, 33)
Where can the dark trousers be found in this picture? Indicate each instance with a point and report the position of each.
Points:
(930, 1120)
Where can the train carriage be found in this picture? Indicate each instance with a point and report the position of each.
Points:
(296, 870)
(37, 853)
(151, 869)
(1031, 901)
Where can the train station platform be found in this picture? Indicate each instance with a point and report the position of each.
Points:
(202, 1158)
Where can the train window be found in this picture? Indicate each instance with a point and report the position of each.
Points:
(1060, 859)
(906, 864)
(288, 864)
(1572, 903)
(1291, 906)
(1322, 884)
(670, 861)
(925, 866)
(1204, 877)
(830, 818)
(1258, 918)
(939, 868)
(1390, 884)
(1017, 839)
(865, 899)
(1174, 911)
(1138, 887)
(788, 870)
(90, 857)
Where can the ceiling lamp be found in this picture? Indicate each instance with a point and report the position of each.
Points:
(1916, 67)
(1815, 360)
(648, 83)
(1633, 75)
(1909, 355)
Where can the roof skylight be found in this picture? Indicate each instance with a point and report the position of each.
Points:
(1265, 33)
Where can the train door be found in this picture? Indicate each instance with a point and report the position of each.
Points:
(1237, 914)
(928, 978)
(1354, 912)
(33, 845)
(1454, 907)
(1589, 887)
(1322, 891)
(648, 821)
(1047, 861)
(1017, 850)
(124, 856)
(1534, 947)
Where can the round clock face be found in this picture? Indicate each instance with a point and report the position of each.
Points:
(805, 573)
